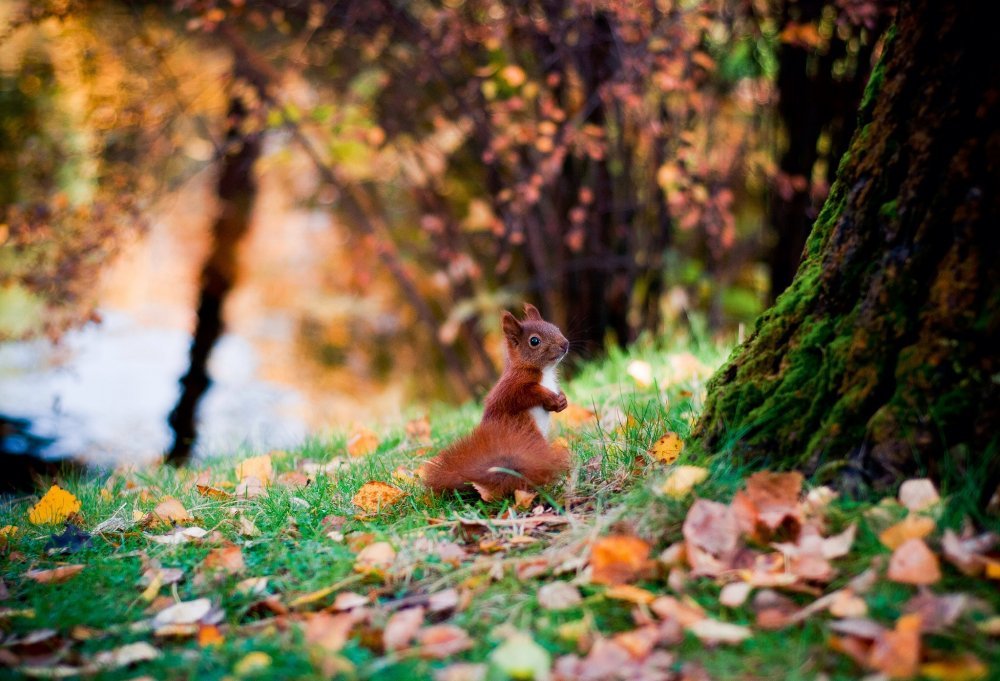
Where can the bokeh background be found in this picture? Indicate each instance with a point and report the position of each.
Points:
(355, 190)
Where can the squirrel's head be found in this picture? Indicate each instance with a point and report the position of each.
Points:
(533, 341)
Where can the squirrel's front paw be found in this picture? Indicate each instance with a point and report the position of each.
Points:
(558, 402)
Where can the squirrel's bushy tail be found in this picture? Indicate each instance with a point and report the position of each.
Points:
(497, 458)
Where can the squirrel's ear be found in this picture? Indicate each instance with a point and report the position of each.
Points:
(511, 327)
(531, 312)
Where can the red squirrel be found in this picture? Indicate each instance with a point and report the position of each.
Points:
(508, 450)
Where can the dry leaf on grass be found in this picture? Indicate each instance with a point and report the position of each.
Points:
(912, 526)
(967, 554)
(618, 559)
(682, 480)
(348, 600)
(918, 494)
(964, 667)
(769, 503)
(632, 594)
(937, 613)
(328, 632)
(574, 416)
(294, 479)
(361, 442)
(209, 636)
(712, 537)
(442, 640)
(129, 654)
(375, 558)
(896, 653)
(667, 449)
(375, 496)
(179, 535)
(735, 594)
(914, 563)
(250, 487)
(228, 560)
(559, 595)
(685, 612)
(55, 575)
(712, 631)
(185, 612)
(55, 507)
(259, 467)
(520, 657)
(170, 510)
(213, 492)
(419, 430)
(402, 628)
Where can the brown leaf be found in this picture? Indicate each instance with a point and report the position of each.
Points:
(523, 499)
(250, 487)
(936, 612)
(293, 479)
(618, 559)
(712, 537)
(574, 416)
(170, 510)
(632, 594)
(361, 442)
(442, 640)
(774, 498)
(402, 628)
(912, 527)
(259, 467)
(328, 632)
(685, 612)
(228, 560)
(896, 653)
(914, 563)
(55, 575)
(966, 554)
(638, 643)
(375, 558)
(419, 430)
(559, 595)
(375, 496)
(213, 492)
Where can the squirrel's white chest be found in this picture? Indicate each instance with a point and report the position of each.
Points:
(542, 418)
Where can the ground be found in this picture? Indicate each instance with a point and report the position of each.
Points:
(305, 578)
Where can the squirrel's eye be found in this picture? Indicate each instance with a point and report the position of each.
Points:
(534, 340)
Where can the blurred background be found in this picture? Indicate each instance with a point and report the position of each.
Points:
(231, 223)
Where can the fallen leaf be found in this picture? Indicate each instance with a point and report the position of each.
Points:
(618, 559)
(213, 492)
(964, 667)
(294, 479)
(712, 631)
(632, 594)
(124, 656)
(361, 442)
(185, 612)
(912, 526)
(846, 603)
(375, 496)
(667, 449)
(328, 632)
(735, 594)
(682, 480)
(55, 575)
(402, 628)
(967, 554)
(914, 563)
(419, 430)
(520, 657)
(179, 535)
(839, 545)
(685, 612)
(461, 671)
(252, 663)
(918, 494)
(639, 642)
(574, 416)
(348, 600)
(712, 537)
(375, 558)
(228, 560)
(209, 636)
(774, 498)
(937, 613)
(443, 600)
(442, 640)
(252, 586)
(70, 540)
(55, 507)
(250, 487)
(523, 499)
(170, 510)
(896, 653)
(259, 467)
(559, 595)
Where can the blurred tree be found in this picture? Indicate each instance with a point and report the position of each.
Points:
(880, 358)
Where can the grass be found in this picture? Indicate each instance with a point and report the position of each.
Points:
(611, 488)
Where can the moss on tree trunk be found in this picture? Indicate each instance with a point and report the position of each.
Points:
(883, 355)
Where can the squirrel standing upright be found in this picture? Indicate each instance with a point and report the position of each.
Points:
(508, 450)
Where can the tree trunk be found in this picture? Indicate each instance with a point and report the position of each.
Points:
(882, 356)
(236, 192)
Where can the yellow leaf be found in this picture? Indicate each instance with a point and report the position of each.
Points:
(618, 559)
(965, 667)
(376, 558)
(8, 531)
(514, 75)
(361, 442)
(170, 510)
(256, 467)
(632, 594)
(252, 663)
(682, 480)
(912, 527)
(54, 507)
(375, 496)
(667, 449)
(213, 492)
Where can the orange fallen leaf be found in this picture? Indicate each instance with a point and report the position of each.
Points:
(402, 628)
(774, 498)
(442, 640)
(55, 575)
(914, 563)
(209, 635)
(259, 467)
(618, 559)
(896, 653)
(632, 594)
(170, 510)
(682, 480)
(293, 479)
(328, 632)
(686, 612)
(56, 506)
(912, 526)
(228, 559)
(523, 498)
(375, 496)
(667, 449)
(213, 492)
(375, 558)
(964, 667)
(639, 643)
(250, 487)
(361, 442)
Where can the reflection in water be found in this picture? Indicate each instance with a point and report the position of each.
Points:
(303, 353)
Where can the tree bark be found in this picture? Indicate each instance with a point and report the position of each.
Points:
(881, 357)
